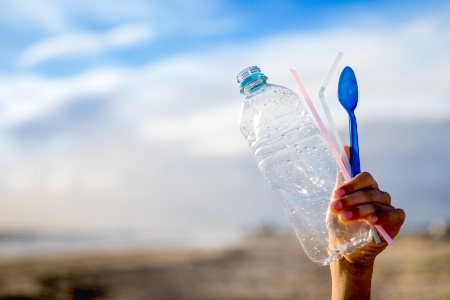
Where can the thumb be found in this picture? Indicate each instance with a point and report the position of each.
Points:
(347, 151)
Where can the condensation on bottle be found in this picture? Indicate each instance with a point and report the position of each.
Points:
(294, 158)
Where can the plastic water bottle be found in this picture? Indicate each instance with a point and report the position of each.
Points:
(296, 161)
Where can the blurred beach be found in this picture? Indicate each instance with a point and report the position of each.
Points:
(265, 266)
(123, 171)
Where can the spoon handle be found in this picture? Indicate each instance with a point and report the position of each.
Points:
(354, 146)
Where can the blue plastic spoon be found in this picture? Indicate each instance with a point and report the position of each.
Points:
(348, 97)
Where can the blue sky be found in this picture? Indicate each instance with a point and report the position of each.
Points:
(122, 115)
(160, 29)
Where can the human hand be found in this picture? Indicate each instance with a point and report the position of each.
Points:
(360, 199)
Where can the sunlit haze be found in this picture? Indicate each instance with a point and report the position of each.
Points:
(122, 116)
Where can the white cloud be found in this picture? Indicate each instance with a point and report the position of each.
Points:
(175, 159)
(57, 17)
(209, 132)
(25, 98)
(43, 15)
(85, 43)
(396, 69)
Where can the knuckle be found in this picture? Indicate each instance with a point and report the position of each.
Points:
(387, 197)
(373, 195)
(379, 196)
(402, 214)
(369, 178)
(366, 174)
(356, 212)
(382, 219)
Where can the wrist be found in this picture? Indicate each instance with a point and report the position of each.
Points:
(351, 281)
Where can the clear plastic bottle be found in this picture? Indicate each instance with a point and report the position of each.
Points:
(296, 161)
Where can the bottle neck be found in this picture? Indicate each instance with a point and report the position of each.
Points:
(251, 80)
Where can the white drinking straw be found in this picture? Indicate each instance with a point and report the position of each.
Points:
(333, 149)
(333, 128)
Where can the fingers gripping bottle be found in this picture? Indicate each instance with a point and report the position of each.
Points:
(296, 161)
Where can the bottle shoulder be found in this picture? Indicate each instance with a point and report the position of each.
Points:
(275, 106)
(271, 90)
(273, 99)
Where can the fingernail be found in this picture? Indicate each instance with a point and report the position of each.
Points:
(339, 193)
(347, 215)
(372, 218)
(337, 205)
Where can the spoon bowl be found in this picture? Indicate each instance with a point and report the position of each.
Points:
(348, 89)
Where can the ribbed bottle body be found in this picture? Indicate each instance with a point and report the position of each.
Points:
(294, 158)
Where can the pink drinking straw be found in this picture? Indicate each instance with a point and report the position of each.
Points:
(322, 128)
(383, 232)
(333, 149)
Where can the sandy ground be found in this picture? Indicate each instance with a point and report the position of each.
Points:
(272, 267)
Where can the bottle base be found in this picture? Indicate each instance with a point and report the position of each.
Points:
(344, 249)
